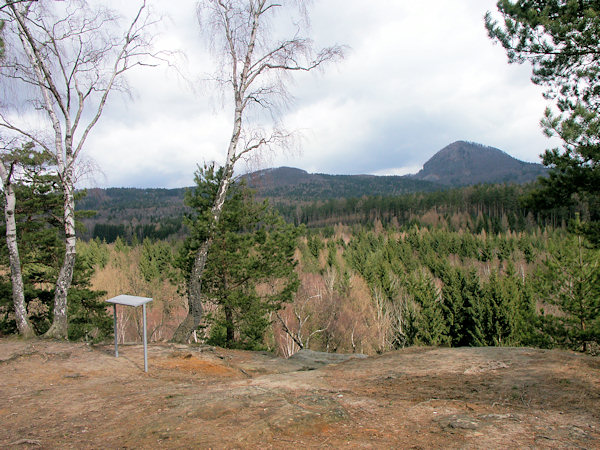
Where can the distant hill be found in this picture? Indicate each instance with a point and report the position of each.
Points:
(154, 213)
(466, 163)
(286, 183)
(120, 199)
(158, 213)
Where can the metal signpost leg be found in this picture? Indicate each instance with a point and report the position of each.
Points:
(145, 344)
(115, 320)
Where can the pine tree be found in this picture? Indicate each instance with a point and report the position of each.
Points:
(520, 309)
(561, 40)
(430, 325)
(250, 270)
(156, 259)
(570, 280)
(39, 215)
(455, 314)
(477, 318)
(500, 305)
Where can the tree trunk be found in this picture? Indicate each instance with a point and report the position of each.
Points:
(229, 337)
(24, 326)
(59, 328)
(241, 82)
(195, 309)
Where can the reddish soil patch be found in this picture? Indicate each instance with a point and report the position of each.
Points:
(71, 395)
(188, 362)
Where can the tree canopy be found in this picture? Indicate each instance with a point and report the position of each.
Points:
(561, 40)
(250, 270)
(255, 61)
(39, 233)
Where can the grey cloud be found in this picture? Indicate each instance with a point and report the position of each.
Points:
(417, 76)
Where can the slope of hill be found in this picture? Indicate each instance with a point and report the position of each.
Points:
(125, 199)
(128, 212)
(466, 163)
(459, 164)
(81, 396)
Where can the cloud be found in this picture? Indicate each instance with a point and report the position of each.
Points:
(165, 149)
(417, 76)
(420, 76)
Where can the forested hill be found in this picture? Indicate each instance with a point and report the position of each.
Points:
(305, 197)
(157, 213)
(287, 183)
(284, 183)
(467, 163)
(458, 164)
(125, 212)
(119, 199)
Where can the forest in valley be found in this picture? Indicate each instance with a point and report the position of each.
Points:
(472, 266)
(359, 264)
(493, 208)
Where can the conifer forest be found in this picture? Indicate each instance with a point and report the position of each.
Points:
(476, 249)
(464, 267)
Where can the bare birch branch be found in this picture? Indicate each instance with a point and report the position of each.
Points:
(73, 58)
(238, 30)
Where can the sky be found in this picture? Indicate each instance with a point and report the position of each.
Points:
(416, 77)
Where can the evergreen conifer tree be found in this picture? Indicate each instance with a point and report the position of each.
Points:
(250, 270)
(431, 327)
(561, 40)
(39, 227)
(570, 280)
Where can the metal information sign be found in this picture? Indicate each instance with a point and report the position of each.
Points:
(130, 300)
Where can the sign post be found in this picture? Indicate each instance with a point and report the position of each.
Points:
(131, 300)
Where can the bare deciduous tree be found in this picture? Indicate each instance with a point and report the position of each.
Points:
(254, 64)
(63, 59)
(294, 328)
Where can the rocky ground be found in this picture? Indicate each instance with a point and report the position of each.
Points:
(73, 395)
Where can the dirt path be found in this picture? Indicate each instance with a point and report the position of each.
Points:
(65, 395)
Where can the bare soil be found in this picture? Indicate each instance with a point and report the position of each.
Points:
(73, 395)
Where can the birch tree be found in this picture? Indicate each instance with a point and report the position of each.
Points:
(254, 64)
(8, 168)
(8, 161)
(63, 60)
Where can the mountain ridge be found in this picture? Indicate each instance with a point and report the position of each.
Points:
(297, 184)
(159, 211)
(461, 163)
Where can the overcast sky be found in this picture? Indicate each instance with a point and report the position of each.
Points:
(417, 76)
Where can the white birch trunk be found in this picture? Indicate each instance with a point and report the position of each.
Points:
(65, 114)
(59, 328)
(241, 39)
(195, 309)
(24, 326)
